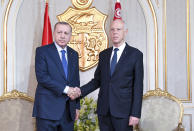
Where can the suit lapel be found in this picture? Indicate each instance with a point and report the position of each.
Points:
(70, 62)
(122, 58)
(108, 60)
(55, 56)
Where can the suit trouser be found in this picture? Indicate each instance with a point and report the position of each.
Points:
(111, 123)
(64, 124)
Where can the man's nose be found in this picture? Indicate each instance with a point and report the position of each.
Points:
(62, 36)
(115, 32)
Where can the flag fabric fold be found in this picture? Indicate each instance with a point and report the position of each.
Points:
(47, 31)
(117, 13)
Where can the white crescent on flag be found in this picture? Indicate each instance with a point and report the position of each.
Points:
(117, 13)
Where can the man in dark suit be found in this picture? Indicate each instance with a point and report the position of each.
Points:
(57, 70)
(119, 75)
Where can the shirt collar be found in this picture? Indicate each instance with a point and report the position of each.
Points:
(59, 48)
(121, 48)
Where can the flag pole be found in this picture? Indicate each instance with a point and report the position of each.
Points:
(47, 30)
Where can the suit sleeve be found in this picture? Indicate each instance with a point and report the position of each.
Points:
(43, 76)
(138, 87)
(77, 80)
(94, 83)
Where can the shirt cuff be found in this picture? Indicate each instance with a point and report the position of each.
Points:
(66, 90)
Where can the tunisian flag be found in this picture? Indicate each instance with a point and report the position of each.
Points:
(47, 31)
(117, 13)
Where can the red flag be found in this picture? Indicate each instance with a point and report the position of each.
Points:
(117, 13)
(47, 31)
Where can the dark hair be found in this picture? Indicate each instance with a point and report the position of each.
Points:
(62, 23)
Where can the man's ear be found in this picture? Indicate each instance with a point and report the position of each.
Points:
(126, 31)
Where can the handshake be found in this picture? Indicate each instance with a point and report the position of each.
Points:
(74, 92)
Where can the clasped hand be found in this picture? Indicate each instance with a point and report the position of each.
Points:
(74, 93)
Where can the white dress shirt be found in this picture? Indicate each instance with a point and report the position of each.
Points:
(59, 49)
(119, 52)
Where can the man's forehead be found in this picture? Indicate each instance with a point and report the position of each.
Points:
(116, 25)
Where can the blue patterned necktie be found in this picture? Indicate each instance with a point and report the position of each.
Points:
(64, 62)
(114, 61)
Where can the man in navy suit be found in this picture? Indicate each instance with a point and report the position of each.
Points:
(57, 70)
(119, 75)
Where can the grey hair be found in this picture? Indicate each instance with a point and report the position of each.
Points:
(124, 24)
(62, 23)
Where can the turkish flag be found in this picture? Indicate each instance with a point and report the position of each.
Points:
(117, 13)
(47, 31)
